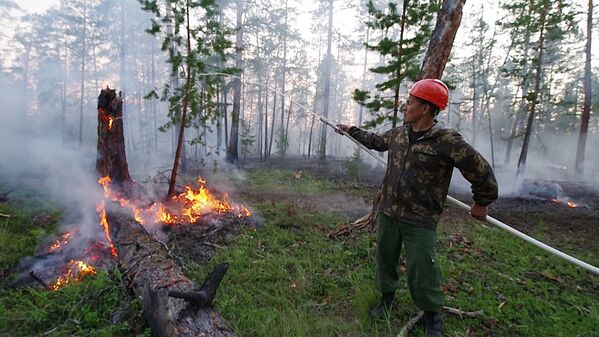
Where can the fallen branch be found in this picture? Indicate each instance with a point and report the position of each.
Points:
(39, 280)
(461, 313)
(413, 322)
(365, 223)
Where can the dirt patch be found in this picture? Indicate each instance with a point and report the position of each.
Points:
(555, 221)
(330, 201)
(533, 214)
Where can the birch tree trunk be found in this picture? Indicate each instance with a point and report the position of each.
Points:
(83, 51)
(322, 154)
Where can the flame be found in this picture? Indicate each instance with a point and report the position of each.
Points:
(104, 222)
(195, 203)
(64, 239)
(187, 207)
(74, 270)
(110, 121)
(567, 202)
(105, 182)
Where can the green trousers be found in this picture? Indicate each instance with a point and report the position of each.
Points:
(423, 272)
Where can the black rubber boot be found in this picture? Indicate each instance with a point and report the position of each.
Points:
(432, 324)
(385, 306)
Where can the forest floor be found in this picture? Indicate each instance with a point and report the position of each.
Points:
(287, 278)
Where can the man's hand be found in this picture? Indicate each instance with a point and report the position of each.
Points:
(342, 127)
(479, 212)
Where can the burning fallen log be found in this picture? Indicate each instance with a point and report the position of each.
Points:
(171, 303)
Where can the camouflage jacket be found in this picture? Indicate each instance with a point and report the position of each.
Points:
(418, 174)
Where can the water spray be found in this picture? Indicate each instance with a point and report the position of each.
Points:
(451, 199)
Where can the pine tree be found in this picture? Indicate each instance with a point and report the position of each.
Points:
(402, 55)
(196, 43)
(539, 31)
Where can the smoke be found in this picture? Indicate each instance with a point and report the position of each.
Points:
(34, 159)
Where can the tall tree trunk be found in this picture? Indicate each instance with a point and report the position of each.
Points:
(173, 181)
(95, 63)
(63, 98)
(83, 51)
(586, 110)
(364, 69)
(473, 104)
(439, 48)
(174, 83)
(219, 118)
(312, 129)
(232, 151)
(225, 111)
(266, 121)
(535, 94)
(398, 74)
(154, 104)
(260, 122)
(322, 155)
(123, 58)
(272, 121)
(283, 132)
(519, 117)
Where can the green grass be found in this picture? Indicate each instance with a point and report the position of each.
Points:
(288, 279)
(99, 306)
(282, 180)
(19, 236)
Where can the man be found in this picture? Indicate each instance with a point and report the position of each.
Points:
(421, 159)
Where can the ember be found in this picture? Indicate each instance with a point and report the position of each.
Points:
(104, 222)
(64, 239)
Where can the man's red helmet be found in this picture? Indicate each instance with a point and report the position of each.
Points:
(431, 90)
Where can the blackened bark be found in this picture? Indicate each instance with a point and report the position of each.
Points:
(111, 159)
(170, 301)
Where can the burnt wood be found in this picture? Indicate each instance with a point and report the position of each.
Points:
(111, 159)
(171, 303)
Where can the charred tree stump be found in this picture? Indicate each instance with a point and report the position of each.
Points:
(111, 160)
(170, 301)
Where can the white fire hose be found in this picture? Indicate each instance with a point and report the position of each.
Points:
(451, 199)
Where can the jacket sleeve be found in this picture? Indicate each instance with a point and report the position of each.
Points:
(370, 139)
(475, 168)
